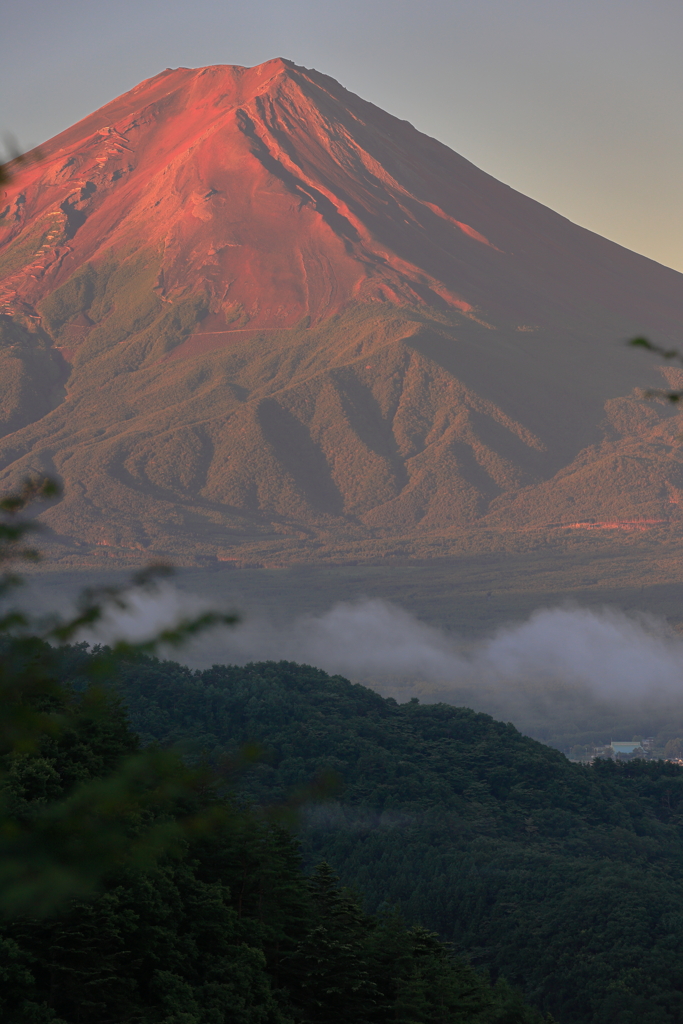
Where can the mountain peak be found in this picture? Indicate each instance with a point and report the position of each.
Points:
(279, 194)
(231, 76)
(268, 176)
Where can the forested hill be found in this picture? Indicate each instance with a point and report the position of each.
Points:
(217, 925)
(565, 878)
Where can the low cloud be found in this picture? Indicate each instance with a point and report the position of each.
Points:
(606, 651)
(140, 614)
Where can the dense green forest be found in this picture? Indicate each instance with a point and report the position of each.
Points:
(561, 881)
(565, 879)
(222, 924)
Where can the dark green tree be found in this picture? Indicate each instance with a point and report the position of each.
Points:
(330, 967)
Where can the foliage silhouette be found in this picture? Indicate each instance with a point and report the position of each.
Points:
(60, 845)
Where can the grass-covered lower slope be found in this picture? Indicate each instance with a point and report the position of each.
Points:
(567, 879)
(378, 432)
(223, 927)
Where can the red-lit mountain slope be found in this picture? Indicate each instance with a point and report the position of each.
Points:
(245, 311)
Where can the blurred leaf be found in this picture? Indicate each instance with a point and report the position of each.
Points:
(15, 158)
(665, 353)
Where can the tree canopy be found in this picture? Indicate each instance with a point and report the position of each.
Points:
(218, 922)
(564, 878)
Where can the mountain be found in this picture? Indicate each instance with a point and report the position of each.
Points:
(247, 315)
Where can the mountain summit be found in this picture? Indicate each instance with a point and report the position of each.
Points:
(246, 313)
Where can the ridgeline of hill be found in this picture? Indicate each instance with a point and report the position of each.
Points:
(566, 879)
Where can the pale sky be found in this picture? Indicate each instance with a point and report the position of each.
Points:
(576, 103)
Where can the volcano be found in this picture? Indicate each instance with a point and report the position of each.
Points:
(249, 315)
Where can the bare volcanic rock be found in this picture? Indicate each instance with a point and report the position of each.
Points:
(244, 311)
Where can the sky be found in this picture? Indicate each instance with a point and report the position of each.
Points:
(576, 103)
